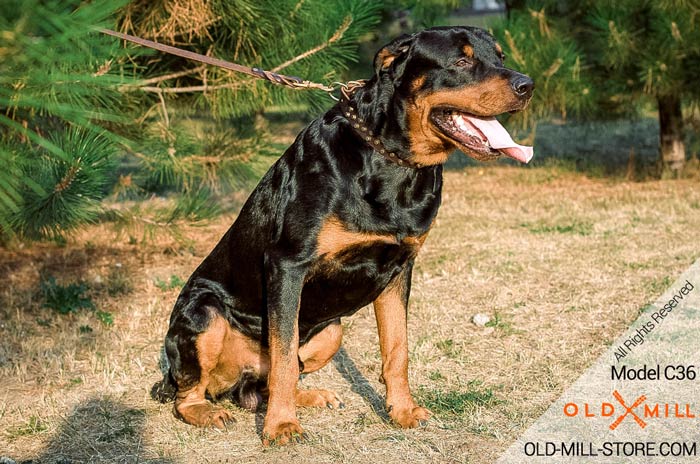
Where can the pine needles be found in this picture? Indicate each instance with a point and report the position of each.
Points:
(609, 60)
(70, 98)
(58, 93)
(315, 39)
(67, 191)
(92, 130)
(535, 46)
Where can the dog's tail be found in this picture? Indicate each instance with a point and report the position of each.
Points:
(164, 390)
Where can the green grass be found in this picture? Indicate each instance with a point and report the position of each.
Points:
(85, 329)
(498, 322)
(636, 266)
(645, 308)
(33, 427)
(65, 299)
(449, 347)
(658, 286)
(575, 227)
(118, 282)
(69, 299)
(105, 317)
(449, 404)
(172, 283)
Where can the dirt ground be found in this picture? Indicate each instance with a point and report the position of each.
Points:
(561, 263)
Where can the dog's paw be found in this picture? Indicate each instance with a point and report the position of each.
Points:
(318, 399)
(283, 433)
(220, 418)
(205, 414)
(410, 416)
(163, 392)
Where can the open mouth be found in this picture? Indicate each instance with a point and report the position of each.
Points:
(482, 138)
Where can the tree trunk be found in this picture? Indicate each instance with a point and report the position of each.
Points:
(671, 146)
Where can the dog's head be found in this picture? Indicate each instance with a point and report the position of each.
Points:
(443, 86)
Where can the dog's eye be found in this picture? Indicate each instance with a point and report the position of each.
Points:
(463, 62)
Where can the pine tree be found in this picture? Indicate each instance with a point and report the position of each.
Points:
(633, 52)
(315, 39)
(58, 96)
(74, 104)
(67, 93)
(538, 48)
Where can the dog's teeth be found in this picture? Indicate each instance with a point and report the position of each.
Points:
(462, 123)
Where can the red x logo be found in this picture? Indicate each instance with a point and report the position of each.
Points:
(628, 410)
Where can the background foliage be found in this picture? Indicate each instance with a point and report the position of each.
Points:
(608, 60)
(58, 100)
(92, 129)
(84, 119)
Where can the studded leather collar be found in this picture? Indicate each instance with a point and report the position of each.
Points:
(372, 140)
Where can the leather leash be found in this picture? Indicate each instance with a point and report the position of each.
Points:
(280, 79)
(346, 89)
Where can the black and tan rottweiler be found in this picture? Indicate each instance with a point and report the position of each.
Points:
(333, 226)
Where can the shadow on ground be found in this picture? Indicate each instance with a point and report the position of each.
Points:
(359, 384)
(99, 431)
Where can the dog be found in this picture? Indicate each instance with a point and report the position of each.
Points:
(334, 225)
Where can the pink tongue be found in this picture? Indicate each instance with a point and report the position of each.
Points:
(500, 139)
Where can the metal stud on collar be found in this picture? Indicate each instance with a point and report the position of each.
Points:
(371, 139)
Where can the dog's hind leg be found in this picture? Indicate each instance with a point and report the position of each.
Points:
(194, 357)
(315, 354)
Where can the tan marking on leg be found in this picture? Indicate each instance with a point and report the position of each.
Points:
(321, 348)
(191, 405)
(318, 399)
(281, 424)
(315, 354)
(390, 311)
(239, 352)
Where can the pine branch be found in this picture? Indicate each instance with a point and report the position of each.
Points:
(189, 89)
(166, 118)
(337, 35)
(175, 75)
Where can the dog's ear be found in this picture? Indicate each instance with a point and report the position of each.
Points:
(388, 54)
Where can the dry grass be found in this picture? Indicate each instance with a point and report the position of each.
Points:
(562, 262)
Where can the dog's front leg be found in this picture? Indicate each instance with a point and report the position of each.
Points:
(390, 309)
(284, 280)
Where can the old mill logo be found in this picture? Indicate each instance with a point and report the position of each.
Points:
(638, 411)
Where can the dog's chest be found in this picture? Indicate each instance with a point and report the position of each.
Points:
(352, 268)
(337, 242)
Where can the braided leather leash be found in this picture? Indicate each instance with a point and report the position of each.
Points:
(280, 79)
(346, 89)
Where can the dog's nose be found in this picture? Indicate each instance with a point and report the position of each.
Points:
(522, 86)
